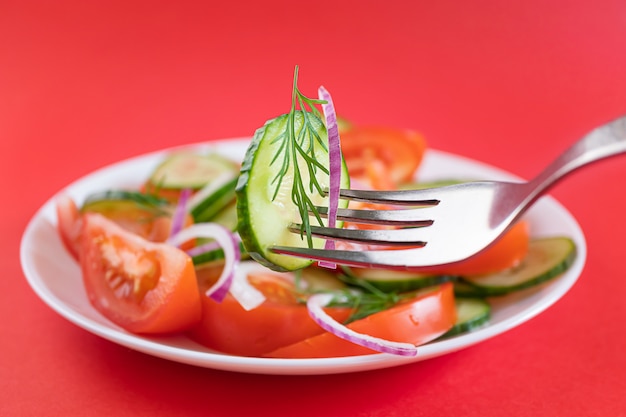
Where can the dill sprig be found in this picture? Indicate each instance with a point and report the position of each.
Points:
(365, 298)
(297, 147)
(366, 304)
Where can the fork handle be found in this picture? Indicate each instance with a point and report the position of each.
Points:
(602, 142)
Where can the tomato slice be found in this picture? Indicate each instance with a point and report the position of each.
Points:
(418, 320)
(281, 320)
(170, 194)
(135, 218)
(69, 224)
(383, 157)
(142, 286)
(126, 214)
(507, 252)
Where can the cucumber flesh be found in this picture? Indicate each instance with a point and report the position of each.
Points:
(213, 198)
(395, 281)
(126, 204)
(263, 218)
(227, 216)
(465, 289)
(472, 313)
(314, 279)
(109, 200)
(191, 170)
(547, 258)
(216, 255)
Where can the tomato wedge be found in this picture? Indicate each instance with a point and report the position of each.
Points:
(418, 320)
(170, 194)
(383, 157)
(69, 224)
(281, 320)
(127, 214)
(135, 218)
(505, 253)
(143, 287)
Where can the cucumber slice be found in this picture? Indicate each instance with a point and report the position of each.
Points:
(263, 219)
(134, 211)
(395, 281)
(213, 198)
(547, 258)
(217, 255)
(227, 217)
(190, 170)
(465, 289)
(314, 279)
(112, 202)
(472, 313)
(343, 124)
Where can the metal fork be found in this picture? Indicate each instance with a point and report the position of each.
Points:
(449, 224)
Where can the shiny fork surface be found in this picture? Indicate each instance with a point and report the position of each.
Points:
(453, 222)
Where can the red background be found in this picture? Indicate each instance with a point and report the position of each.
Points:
(84, 84)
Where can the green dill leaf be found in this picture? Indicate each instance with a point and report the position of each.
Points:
(297, 147)
(364, 303)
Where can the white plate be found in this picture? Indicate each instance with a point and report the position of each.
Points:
(55, 277)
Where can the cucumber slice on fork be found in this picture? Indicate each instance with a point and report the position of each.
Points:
(265, 212)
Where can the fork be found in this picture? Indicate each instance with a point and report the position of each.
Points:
(449, 224)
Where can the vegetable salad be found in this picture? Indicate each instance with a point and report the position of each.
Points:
(191, 250)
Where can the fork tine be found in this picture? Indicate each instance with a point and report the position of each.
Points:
(394, 237)
(408, 217)
(396, 259)
(425, 197)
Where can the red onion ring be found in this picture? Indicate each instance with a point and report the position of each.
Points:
(315, 305)
(227, 240)
(178, 218)
(334, 163)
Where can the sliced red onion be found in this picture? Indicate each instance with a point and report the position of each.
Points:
(317, 302)
(204, 248)
(247, 295)
(229, 244)
(180, 213)
(334, 163)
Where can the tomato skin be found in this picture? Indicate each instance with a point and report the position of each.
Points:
(383, 157)
(170, 194)
(505, 253)
(132, 217)
(416, 321)
(69, 224)
(155, 229)
(160, 293)
(129, 216)
(281, 320)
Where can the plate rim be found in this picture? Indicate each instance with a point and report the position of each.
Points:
(204, 357)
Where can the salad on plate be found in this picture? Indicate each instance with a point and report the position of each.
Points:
(190, 251)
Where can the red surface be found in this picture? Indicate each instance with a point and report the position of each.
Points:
(508, 83)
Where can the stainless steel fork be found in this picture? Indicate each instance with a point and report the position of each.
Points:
(449, 224)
